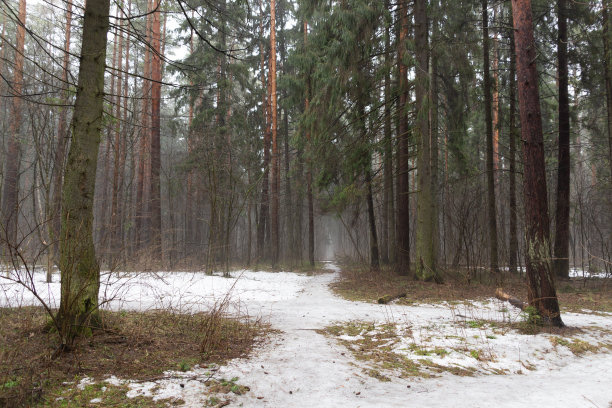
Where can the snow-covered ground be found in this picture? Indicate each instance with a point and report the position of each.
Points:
(299, 367)
(575, 272)
(178, 291)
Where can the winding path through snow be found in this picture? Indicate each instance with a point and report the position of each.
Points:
(301, 368)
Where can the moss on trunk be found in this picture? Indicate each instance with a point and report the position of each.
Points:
(79, 267)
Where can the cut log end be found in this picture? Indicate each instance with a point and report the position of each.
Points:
(501, 295)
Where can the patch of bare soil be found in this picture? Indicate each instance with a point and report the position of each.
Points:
(363, 285)
(130, 345)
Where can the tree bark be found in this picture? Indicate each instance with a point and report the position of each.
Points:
(388, 226)
(491, 206)
(114, 246)
(289, 211)
(425, 233)
(561, 254)
(264, 209)
(374, 256)
(402, 252)
(607, 41)
(433, 139)
(309, 197)
(541, 286)
(156, 77)
(62, 137)
(9, 211)
(78, 264)
(274, 174)
(142, 180)
(123, 145)
(512, 134)
(496, 106)
(102, 219)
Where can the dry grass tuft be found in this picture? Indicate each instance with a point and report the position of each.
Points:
(132, 345)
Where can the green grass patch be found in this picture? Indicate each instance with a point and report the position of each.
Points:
(576, 346)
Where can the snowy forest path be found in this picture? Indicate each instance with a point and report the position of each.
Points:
(304, 368)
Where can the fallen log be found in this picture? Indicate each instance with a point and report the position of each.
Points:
(390, 298)
(501, 295)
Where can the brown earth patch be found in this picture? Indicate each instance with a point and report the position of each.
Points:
(132, 345)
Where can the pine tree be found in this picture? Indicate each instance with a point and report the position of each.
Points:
(9, 211)
(275, 169)
(155, 169)
(492, 217)
(403, 185)
(541, 286)
(78, 264)
(62, 137)
(562, 214)
(426, 217)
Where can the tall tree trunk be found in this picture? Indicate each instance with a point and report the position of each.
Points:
(80, 270)
(142, 179)
(512, 134)
(156, 77)
(309, 197)
(274, 174)
(426, 217)
(491, 206)
(289, 212)
(402, 252)
(114, 246)
(103, 227)
(496, 108)
(2, 45)
(387, 213)
(607, 41)
(541, 285)
(9, 211)
(123, 145)
(374, 256)
(62, 137)
(264, 209)
(433, 139)
(361, 98)
(561, 254)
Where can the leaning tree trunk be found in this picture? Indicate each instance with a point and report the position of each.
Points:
(492, 219)
(561, 258)
(541, 290)
(78, 264)
(9, 212)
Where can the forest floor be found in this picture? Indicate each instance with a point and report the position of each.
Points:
(433, 348)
